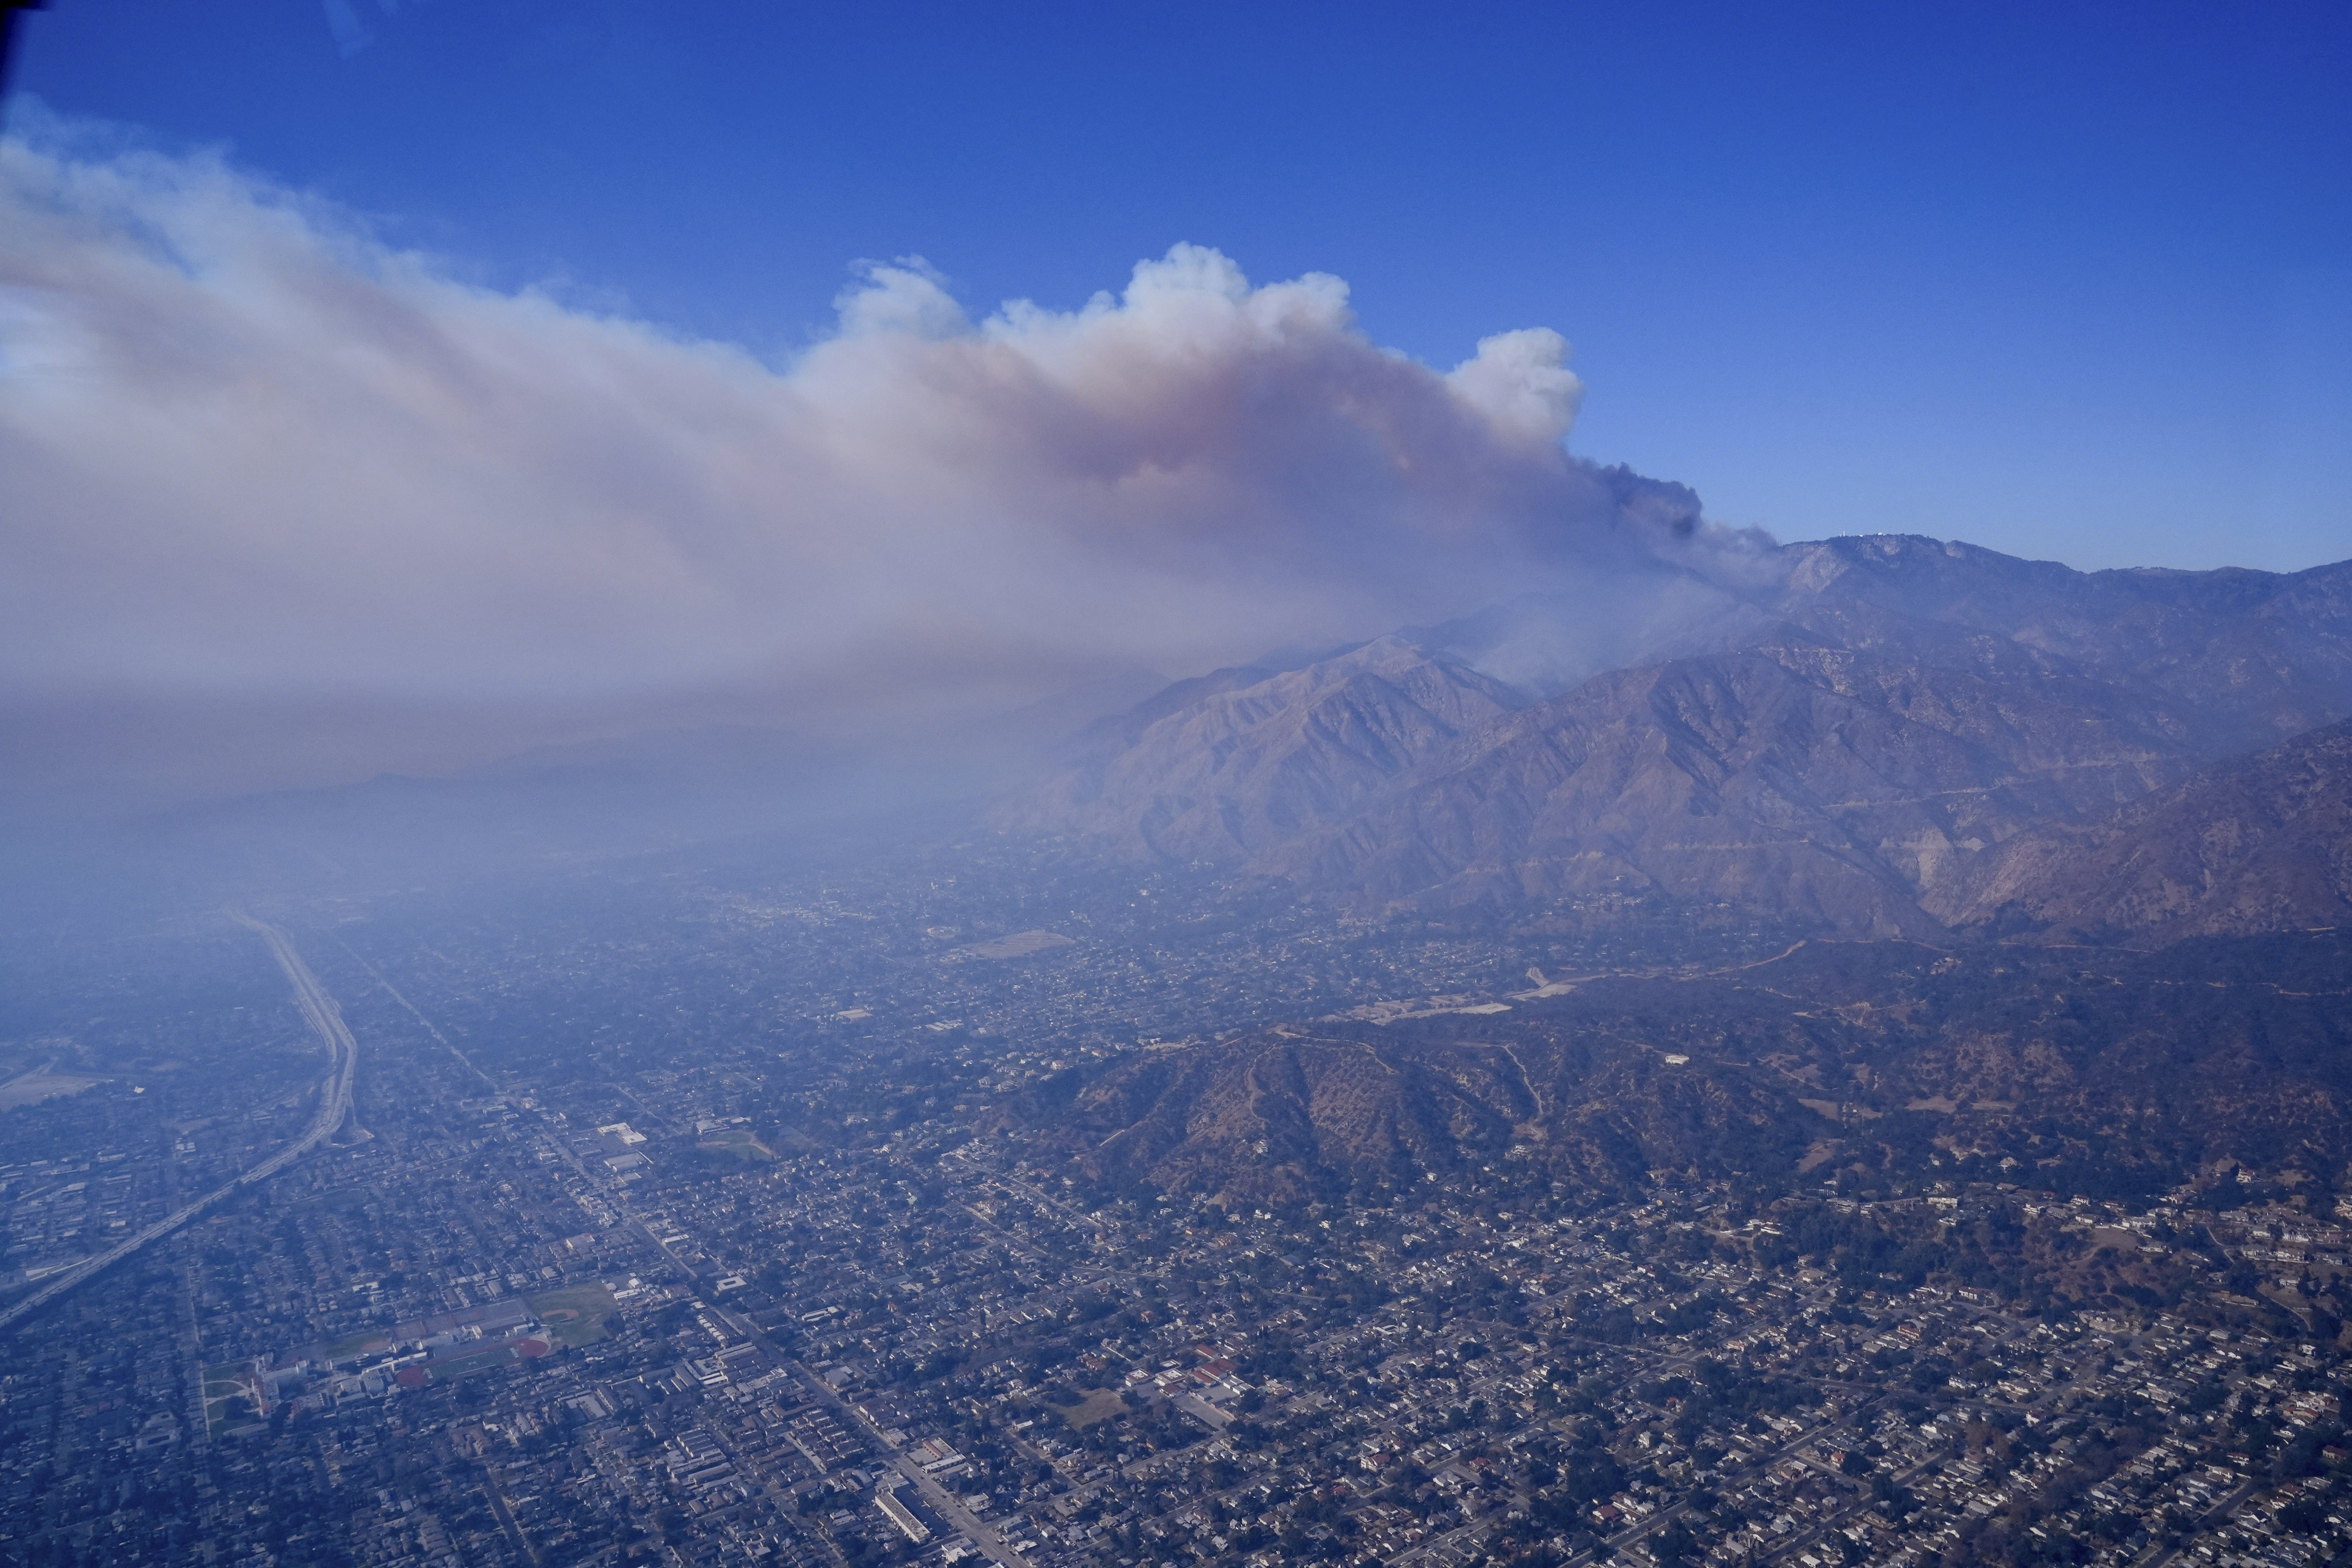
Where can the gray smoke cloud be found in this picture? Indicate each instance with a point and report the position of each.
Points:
(258, 462)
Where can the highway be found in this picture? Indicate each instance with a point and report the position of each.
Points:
(326, 1020)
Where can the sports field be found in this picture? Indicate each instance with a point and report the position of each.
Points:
(353, 1344)
(232, 1396)
(1100, 1405)
(574, 1315)
(449, 1368)
(737, 1141)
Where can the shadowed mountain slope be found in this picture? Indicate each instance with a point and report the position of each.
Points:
(2262, 843)
(1817, 784)
(1224, 767)
(1832, 734)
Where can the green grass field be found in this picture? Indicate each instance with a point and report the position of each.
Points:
(574, 1315)
(232, 1396)
(351, 1344)
(737, 1141)
(1101, 1405)
(448, 1368)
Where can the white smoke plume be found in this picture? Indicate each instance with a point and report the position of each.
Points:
(254, 456)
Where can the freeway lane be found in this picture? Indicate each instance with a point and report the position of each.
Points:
(326, 1020)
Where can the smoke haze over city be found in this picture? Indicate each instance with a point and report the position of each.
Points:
(261, 462)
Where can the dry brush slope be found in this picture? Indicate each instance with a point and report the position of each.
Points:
(1882, 713)
(1882, 1057)
(1286, 1114)
(2264, 843)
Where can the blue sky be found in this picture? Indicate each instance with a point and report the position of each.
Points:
(2071, 281)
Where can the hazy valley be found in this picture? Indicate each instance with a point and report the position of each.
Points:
(1845, 1055)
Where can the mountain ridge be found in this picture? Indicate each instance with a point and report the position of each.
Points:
(2257, 843)
(1836, 732)
(1868, 1064)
